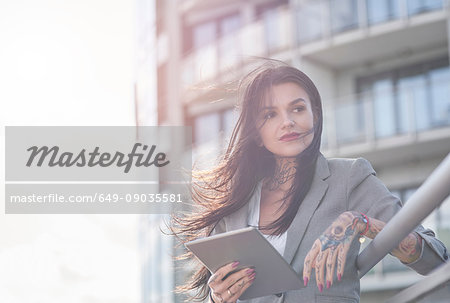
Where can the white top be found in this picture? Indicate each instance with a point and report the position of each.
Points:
(279, 242)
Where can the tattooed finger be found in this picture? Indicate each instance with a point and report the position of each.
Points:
(331, 263)
(238, 288)
(310, 262)
(320, 269)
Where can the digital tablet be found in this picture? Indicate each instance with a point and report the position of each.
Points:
(248, 246)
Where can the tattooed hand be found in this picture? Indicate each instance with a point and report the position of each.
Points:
(329, 251)
(227, 284)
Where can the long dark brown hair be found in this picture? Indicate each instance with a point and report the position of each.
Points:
(226, 188)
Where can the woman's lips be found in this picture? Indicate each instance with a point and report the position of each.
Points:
(290, 137)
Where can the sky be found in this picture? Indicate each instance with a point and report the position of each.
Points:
(67, 62)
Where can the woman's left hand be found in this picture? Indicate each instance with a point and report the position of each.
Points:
(331, 248)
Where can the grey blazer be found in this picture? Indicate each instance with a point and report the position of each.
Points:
(338, 185)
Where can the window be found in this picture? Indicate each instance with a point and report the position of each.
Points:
(212, 132)
(215, 46)
(410, 99)
(271, 25)
(204, 34)
(206, 128)
(309, 21)
(382, 10)
(271, 16)
(229, 43)
(156, 260)
(344, 15)
(206, 55)
(440, 96)
(230, 117)
(413, 94)
(350, 122)
(422, 6)
(384, 108)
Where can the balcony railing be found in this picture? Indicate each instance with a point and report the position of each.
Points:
(377, 115)
(260, 38)
(324, 18)
(288, 27)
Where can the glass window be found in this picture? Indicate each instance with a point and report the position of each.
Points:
(413, 92)
(230, 24)
(382, 10)
(384, 108)
(271, 29)
(204, 34)
(207, 128)
(309, 21)
(421, 6)
(440, 95)
(349, 122)
(229, 43)
(212, 131)
(414, 98)
(230, 117)
(344, 15)
(205, 60)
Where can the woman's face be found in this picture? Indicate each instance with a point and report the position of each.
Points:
(286, 120)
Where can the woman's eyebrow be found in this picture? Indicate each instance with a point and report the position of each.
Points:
(290, 103)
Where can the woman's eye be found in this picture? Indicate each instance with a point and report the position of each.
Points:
(299, 109)
(269, 115)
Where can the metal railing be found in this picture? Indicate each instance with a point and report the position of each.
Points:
(428, 197)
(419, 290)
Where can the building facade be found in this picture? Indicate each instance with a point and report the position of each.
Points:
(381, 66)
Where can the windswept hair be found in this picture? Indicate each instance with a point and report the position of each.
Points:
(226, 188)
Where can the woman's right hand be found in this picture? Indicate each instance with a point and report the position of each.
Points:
(228, 290)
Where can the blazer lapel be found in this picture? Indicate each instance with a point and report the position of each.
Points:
(312, 200)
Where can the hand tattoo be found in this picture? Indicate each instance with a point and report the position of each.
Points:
(341, 231)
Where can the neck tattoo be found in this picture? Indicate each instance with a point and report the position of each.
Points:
(284, 172)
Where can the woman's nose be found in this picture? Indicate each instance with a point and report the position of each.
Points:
(288, 122)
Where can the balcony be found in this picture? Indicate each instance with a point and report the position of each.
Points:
(337, 33)
(384, 124)
(215, 60)
(342, 33)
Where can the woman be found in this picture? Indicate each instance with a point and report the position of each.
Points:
(311, 209)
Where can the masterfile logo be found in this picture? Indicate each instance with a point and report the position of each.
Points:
(94, 158)
(97, 169)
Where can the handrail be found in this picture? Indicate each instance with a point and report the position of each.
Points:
(438, 277)
(429, 196)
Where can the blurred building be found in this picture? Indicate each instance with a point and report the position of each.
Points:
(156, 250)
(382, 68)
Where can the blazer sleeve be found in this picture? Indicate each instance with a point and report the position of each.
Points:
(367, 194)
